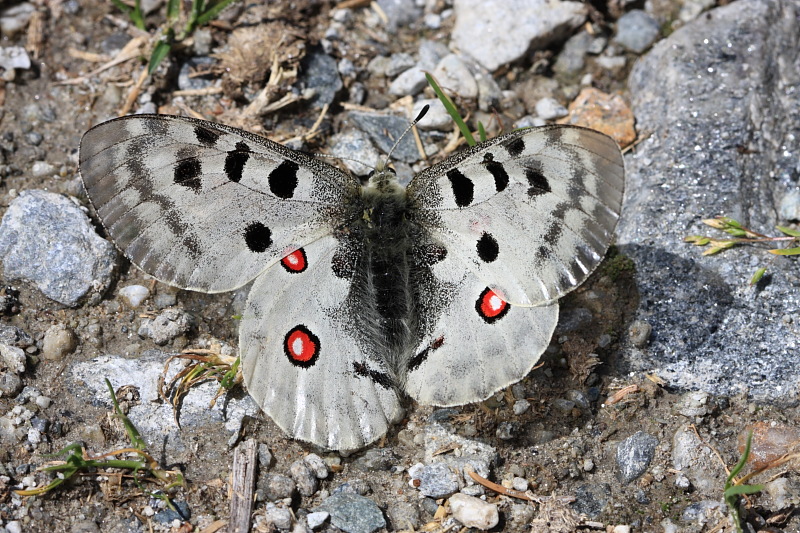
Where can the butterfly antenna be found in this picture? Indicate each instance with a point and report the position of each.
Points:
(414, 122)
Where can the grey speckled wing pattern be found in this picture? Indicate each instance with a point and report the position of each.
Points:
(364, 295)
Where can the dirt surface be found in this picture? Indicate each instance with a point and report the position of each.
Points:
(568, 452)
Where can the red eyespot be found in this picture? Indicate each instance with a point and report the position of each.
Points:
(490, 306)
(295, 262)
(301, 346)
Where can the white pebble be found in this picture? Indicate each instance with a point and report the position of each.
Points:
(14, 527)
(520, 484)
(520, 406)
(148, 511)
(473, 512)
(550, 108)
(316, 519)
(42, 169)
(134, 294)
(43, 402)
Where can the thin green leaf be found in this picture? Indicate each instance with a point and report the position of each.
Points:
(742, 461)
(737, 490)
(134, 13)
(786, 251)
(697, 240)
(736, 232)
(481, 131)
(732, 222)
(229, 378)
(789, 231)
(173, 10)
(212, 13)
(451, 110)
(758, 275)
(133, 433)
(160, 51)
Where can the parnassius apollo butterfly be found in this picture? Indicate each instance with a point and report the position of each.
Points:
(444, 291)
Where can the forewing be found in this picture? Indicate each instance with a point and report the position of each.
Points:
(479, 343)
(531, 213)
(302, 363)
(205, 206)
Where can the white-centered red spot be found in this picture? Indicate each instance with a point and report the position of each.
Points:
(295, 262)
(490, 306)
(301, 346)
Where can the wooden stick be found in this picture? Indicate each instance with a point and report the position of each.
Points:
(243, 481)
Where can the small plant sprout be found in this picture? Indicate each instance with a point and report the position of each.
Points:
(454, 114)
(742, 235)
(178, 26)
(734, 488)
(142, 467)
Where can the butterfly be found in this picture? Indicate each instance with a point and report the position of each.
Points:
(364, 294)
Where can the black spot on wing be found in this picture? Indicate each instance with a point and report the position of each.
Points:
(553, 233)
(537, 182)
(235, 161)
(283, 179)
(463, 188)
(379, 378)
(422, 356)
(156, 126)
(187, 172)
(544, 253)
(258, 237)
(497, 171)
(205, 136)
(514, 147)
(487, 248)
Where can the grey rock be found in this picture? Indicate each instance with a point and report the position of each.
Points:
(194, 65)
(572, 58)
(10, 384)
(614, 64)
(550, 108)
(48, 240)
(399, 63)
(693, 404)
(403, 516)
(573, 319)
(280, 517)
(154, 418)
(591, 500)
(704, 512)
(475, 456)
(375, 460)
(321, 74)
(315, 520)
(14, 336)
(170, 323)
(277, 487)
(384, 130)
(634, 455)
(430, 53)
(353, 513)
(303, 476)
(399, 13)
(15, 18)
(696, 461)
(578, 398)
(379, 66)
(702, 92)
(436, 480)
(12, 57)
(354, 486)
(437, 117)
(789, 208)
(12, 359)
(521, 406)
(639, 333)
(691, 9)
(410, 82)
(317, 465)
(489, 92)
(355, 144)
(506, 431)
(563, 406)
(454, 75)
(637, 30)
(507, 29)
(85, 526)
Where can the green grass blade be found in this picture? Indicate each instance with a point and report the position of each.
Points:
(758, 275)
(481, 132)
(736, 490)
(788, 231)
(786, 251)
(451, 110)
(173, 10)
(133, 433)
(160, 51)
(212, 13)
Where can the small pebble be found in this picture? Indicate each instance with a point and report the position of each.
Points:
(134, 295)
(315, 520)
(474, 512)
(521, 406)
(59, 340)
(42, 169)
(550, 108)
(520, 484)
(14, 527)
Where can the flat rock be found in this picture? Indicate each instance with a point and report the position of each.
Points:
(46, 239)
(723, 139)
(498, 32)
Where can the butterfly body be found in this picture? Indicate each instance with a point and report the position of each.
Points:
(443, 292)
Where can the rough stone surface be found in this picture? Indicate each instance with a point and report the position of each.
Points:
(48, 240)
(634, 455)
(728, 79)
(353, 513)
(508, 29)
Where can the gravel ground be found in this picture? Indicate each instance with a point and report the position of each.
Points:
(602, 436)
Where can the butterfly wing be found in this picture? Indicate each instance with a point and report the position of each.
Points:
(531, 213)
(479, 343)
(303, 362)
(205, 206)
